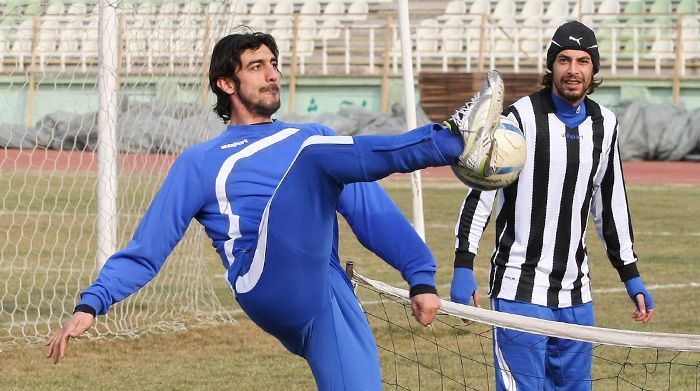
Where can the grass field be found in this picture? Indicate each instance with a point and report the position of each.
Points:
(240, 356)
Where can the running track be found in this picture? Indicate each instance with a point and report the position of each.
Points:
(638, 172)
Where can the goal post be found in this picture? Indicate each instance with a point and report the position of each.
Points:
(107, 147)
(410, 106)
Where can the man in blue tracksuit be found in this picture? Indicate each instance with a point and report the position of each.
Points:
(267, 193)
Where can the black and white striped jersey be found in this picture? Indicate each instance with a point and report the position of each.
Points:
(540, 255)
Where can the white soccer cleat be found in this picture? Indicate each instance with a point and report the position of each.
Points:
(476, 122)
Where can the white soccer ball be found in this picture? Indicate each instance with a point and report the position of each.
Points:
(508, 158)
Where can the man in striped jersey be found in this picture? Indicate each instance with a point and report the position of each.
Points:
(267, 193)
(539, 267)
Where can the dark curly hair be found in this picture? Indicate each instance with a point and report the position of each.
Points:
(548, 76)
(226, 60)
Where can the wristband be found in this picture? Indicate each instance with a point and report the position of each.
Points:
(420, 289)
(85, 308)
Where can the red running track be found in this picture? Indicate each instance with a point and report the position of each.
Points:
(636, 172)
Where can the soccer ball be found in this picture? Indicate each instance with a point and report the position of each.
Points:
(508, 158)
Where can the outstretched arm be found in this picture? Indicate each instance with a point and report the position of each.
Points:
(473, 218)
(125, 272)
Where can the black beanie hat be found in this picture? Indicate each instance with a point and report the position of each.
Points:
(574, 35)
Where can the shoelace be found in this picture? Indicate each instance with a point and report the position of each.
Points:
(461, 114)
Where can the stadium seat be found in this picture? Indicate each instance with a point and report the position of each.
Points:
(633, 18)
(552, 24)
(238, 9)
(160, 45)
(661, 49)
(191, 10)
(310, 7)
(283, 31)
(455, 7)
(31, 8)
(306, 43)
(55, 9)
(70, 41)
(147, 14)
(330, 27)
(124, 9)
(687, 7)
(633, 7)
(283, 9)
(530, 9)
(557, 9)
(608, 12)
(47, 41)
(168, 13)
(135, 41)
(690, 39)
(502, 37)
(334, 7)
(358, 10)
(21, 41)
(77, 9)
(188, 39)
(218, 8)
(89, 46)
(477, 10)
(258, 23)
(531, 37)
(582, 7)
(454, 35)
(504, 10)
(259, 8)
(480, 7)
(609, 7)
(661, 7)
(4, 46)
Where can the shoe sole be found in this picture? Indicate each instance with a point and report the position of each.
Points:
(477, 158)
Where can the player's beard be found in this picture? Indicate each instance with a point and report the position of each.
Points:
(260, 107)
(572, 96)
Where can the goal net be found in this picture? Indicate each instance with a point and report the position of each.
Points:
(49, 198)
(456, 351)
(61, 212)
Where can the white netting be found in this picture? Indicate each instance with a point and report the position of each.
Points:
(52, 204)
(48, 133)
(452, 354)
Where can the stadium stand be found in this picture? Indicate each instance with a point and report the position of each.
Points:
(636, 36)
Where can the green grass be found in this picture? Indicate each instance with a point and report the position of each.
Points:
(242, 357)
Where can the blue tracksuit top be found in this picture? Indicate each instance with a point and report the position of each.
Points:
(225, 183)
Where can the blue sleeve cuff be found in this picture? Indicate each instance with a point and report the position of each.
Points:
(421, 278)
(93, 301)
(636, 286)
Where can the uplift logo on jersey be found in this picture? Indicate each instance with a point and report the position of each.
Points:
(571, 136)
(235, 144)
